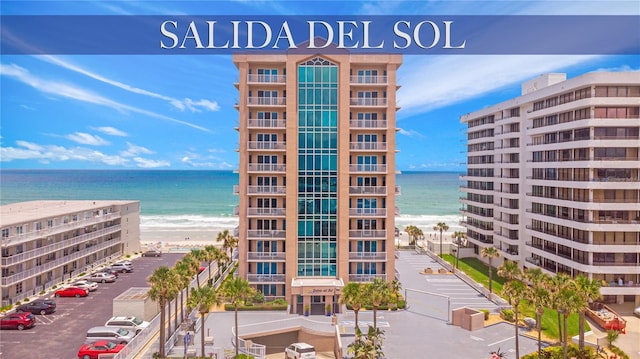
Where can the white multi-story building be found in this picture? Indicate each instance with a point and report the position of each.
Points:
(317, 173)
(553, 178)
(45, 242)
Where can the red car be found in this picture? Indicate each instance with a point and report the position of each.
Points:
(93, 350)
(71, 292)
(18, 321)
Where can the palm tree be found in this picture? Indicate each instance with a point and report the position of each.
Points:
(378, 294)
(200, 256)
(441, 227)
(414, 233)
(160, 282)
(510, 270)
(353, 296)
(539, 297)
(515, 290)
(184, 276)
(490, 252)
(202, 299)
(589, 290)
(194, 264)
(460, 240)
(569, 301)
(367, 347)
(557, 285)
(236, 291)
(228, 241)
(173, 294)
(211, 254)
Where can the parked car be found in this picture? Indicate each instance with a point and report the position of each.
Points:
(18, 321)
(152, 253)
(93, 350)
(130, 323)
(102, 277)
(127, 262)
(121, 267)
(38, 306)
(91, 286)
(71, 292)
(637, 312)
(112, 334)
(300, 351)
(108, 270)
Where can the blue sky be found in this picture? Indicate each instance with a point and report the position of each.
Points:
(176, 111)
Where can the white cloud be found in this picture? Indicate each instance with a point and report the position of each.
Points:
(28, 107)
(193, 106)
(51, 153)
(134, 150)
(111, 131)
(195, 160)
(147, 163)
(433, 82)
(410, 133)
(87, 139)
(61, 89)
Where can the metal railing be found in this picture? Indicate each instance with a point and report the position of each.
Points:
(265, 233)
(368, 102)
(368, 146)
(368, 168)
(266, 211)
(266, 145)
(259, 278)
(379, 124)
(268, 101)
(267, 123)
(368, 79)
(368, 256)
(367, 211)
(258, 351)
(266, 256)
(381, 190)
(260, 78)
(368, 233)
(266, 167)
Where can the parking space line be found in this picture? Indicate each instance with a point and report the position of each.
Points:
(500, 341)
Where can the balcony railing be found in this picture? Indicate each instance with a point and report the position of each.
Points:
(368, 168)
(267, 101)
(373, 124)
(266, 256)
(368, 256)
(615, 264)
(263, 123)
(17, 258)
(47, 266)
(368, 102)
(368, 80)
(262, 278)
(267, 167)
(267, 190)
(367, 211)
(264, 233)
(379, 190)
(254, 78)
(50, 231)
(266, 211)
(368, 233)
(365, 277)
(368, 146)
(266, 145)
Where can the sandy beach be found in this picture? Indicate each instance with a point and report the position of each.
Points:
(183, 238)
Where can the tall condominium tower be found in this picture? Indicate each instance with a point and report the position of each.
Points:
(317, 173)
(553, 179)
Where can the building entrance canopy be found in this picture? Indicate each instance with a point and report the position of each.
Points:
(316, 286)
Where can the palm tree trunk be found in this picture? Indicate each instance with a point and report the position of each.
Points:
(162, 325)
(490, 278)
(539, 328)
(375, 312)
(516, 312)
(237, 342)
(441, 243)
(182, 306)
(203, 316)
(212, 283)
(457, 258)
(560, 327)
(564, 345)
(581, 331)
(169, 319)
(175, 320)
(355, 312)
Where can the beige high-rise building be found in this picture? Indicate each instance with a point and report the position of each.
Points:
(317, 173)
(553, 179)
(46, 242)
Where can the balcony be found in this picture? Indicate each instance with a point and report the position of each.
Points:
(266, 79)
(267, 212)
(368, 124)
(266, 234)
(24, 256)
(281, 124)
(266, 256)
(50, 231)
(367, 256)
(368, 168)
(365, 277)
(368, 80)
(266, 167)
(266, 278)
(266, 145)
(379, 190)
(266, 101)
(615, 264)
(368, 146)
(382, 234)
(365, 212)
(368, 102)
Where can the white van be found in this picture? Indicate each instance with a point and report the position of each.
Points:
(112, 334)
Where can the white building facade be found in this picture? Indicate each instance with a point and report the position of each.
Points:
(553, 179)
(45, 242)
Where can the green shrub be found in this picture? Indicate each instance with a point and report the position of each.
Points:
(279, 301)
(5, 308)
(619, 352)
(54, 287)
(556, 352)
(507, 314)
(18, 302)
(42, 292)
(402, 304)
(128, 255)
(486, 313)
(26, 300)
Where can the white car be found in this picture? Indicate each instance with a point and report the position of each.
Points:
(637, 312)
(130, 323)
(85, 284)
(121, 267)
(102, 277)
(300, 351)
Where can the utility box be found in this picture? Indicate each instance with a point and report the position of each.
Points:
(135, 302)
(468, 318)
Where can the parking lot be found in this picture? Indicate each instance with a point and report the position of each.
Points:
(60, 335)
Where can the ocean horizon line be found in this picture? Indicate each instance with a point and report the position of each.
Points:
(181, 170)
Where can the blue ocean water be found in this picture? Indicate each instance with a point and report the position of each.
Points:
(205, 199)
